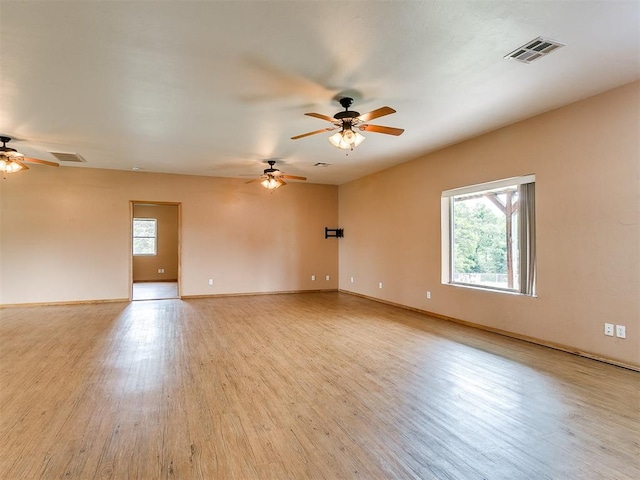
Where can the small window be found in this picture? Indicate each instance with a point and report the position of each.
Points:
(145, 236)
(490, 235)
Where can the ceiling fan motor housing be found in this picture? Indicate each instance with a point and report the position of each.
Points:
(349, 114)
(271, 168)
(346, 102)
(7, 151)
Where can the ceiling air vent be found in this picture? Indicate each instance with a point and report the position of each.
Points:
(68, 157)
(535, 49)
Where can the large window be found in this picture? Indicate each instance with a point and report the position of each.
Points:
(145, 236)
(489, 239)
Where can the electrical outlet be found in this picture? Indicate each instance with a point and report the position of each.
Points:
(621, 331)
(161, 270)
(608, 329)
(211, 281)
(313, 278)
(327, 278)
(380, 285)
(428, 295)
(351, 279)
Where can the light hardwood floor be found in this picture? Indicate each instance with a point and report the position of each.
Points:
(301, 386)
(154, 290)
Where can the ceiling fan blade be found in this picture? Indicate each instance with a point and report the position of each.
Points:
(378, 112)
(322, 117)
(292, 177)
(312, 133)
(253, 180)
(21, 164)
(42, 162)
(381, 129)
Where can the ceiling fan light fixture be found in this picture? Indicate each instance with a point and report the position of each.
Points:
(348, 135)
(9, 166)
(10, 153)
(346, 139)
(358, 139)
(271, 182)
(336, 139)
(11, 160)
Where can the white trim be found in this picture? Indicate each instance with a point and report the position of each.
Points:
(484, 288)
(489, 185)
(447, 231)
(445, 240)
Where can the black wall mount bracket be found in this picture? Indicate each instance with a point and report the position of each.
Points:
(333, 232)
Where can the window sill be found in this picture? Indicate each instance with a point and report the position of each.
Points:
(488, 289)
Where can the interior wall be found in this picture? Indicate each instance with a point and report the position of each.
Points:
(145, 267)
(586, 160)
(65, 234)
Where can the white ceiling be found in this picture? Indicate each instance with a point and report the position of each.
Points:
(215, 88)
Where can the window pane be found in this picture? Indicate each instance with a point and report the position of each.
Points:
(144, 246)
(144, 228)
(144, 236)
(485, 238)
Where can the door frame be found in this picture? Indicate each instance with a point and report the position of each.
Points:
(153, 202)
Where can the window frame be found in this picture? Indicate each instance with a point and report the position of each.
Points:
(154, 237)
(526, 284)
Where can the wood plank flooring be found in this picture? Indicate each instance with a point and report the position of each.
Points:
(300, 386)
(154, 290)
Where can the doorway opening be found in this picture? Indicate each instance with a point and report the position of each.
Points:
(155, 252)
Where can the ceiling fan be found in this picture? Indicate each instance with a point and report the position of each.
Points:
(272, 177)
(349, 120)
(11, 161)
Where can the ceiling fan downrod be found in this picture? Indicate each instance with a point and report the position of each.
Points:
(346, 102)
(4, 147)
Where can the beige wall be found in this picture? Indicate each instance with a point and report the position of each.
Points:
(145, 267)
(586, 160)
(65, 234)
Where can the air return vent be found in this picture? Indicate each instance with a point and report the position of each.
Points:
(68, 157)
(534, 50)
